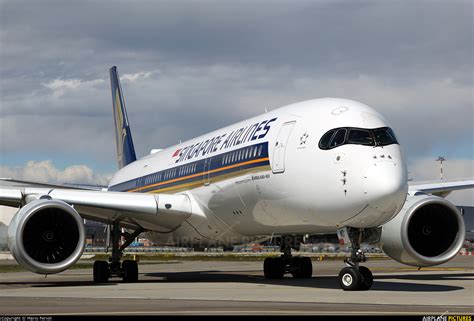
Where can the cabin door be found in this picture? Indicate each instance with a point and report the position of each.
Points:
(278, 165)
(207, 168)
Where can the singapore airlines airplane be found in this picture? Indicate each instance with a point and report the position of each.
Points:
(318, 166)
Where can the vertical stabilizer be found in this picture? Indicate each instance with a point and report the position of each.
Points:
(123, 136)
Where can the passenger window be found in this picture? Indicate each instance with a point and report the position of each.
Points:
(360, 137)
(338, 138)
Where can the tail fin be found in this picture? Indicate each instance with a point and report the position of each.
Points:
(123, 136)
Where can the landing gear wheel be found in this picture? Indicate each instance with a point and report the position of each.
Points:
(350, 278)
(273, 268)
(302, 268)
(296, 264)
(306, 267)
(101, 272)
(130, 269)
(367, 278)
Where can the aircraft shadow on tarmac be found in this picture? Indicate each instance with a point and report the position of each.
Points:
(58, 284)
(323, 282)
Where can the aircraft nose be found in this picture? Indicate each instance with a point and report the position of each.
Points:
(385, 187)
(383, 179)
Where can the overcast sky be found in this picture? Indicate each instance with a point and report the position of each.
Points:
(194, 66)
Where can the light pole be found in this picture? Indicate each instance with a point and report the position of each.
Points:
(441, 159)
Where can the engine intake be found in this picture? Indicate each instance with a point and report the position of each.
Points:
(46, 236)
(428, 231)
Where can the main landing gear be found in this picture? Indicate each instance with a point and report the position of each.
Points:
(277, 267)
(354, 277)
(128, 269)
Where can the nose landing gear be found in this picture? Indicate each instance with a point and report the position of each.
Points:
(298, 267)
(354, 277)
(128, 269)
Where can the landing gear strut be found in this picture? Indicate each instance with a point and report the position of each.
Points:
(128, 269)
(299, 267)
(354, 277)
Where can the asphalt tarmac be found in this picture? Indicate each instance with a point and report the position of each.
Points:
(215, 287)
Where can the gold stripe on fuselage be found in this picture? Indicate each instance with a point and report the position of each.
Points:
(191, 185)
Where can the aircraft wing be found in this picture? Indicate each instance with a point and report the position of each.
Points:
(21, 183)
(160, 212)
(441, 188)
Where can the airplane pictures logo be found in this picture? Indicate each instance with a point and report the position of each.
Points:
(237, 137)
(447, 318)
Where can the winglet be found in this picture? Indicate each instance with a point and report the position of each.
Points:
(123, 136)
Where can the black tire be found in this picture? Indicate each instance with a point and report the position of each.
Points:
(306, 268)
(350, 279)
(130, 269)
(301, 267)
(273, 268)
(101, 272)
(267, 269)
(295, 267)
(367, 278)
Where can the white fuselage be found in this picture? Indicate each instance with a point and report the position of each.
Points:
(274, 179)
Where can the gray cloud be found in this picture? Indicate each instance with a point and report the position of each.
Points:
(424, 38)
(46, 171)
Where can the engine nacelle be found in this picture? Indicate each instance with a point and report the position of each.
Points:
(428, 231)
(46, 236)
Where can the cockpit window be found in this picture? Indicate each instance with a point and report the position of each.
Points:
(324, 142)
(384, 136)
(359, 136)
(338, 138)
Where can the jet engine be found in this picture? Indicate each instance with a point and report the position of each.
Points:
(429, 230)
(46, 236)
